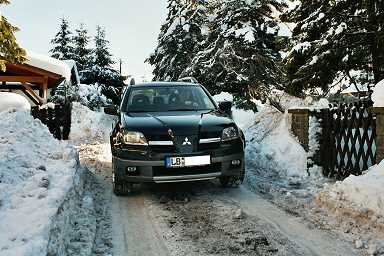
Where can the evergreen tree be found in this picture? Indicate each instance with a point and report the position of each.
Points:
(10, 51)
(100, 71)
(102, 56)
(240, 54)
(179, 39)
(335, 41)
(62, 43)
(82, 54)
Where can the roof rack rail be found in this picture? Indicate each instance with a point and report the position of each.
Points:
(188, 79)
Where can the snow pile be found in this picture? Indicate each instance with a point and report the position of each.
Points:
(36, 172)
(378, 94)
(359, 193)
(269, 141)
(90, 125)
(13, 101)
(271, 145)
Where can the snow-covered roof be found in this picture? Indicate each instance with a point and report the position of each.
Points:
(50, 64)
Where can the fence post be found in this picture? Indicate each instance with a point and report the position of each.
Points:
(379, 112)
(300, 125)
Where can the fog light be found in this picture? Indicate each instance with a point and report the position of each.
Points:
(235, 162)
(131, 169)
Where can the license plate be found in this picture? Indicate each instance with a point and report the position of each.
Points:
(185, 161)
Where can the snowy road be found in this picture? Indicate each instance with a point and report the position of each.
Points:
(204, 219)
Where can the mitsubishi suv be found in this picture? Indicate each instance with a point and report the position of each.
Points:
(174, 132)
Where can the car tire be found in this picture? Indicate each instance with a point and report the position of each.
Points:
(122, 188)
(228, 181)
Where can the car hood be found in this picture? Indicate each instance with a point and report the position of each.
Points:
(204, 123)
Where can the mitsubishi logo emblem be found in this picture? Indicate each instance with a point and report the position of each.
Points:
(186, 142)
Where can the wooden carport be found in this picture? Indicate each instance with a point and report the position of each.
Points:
(33, 81)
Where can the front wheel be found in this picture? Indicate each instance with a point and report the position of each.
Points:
(230, 181)
(121, 188)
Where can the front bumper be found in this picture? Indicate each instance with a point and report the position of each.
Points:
(155, 170)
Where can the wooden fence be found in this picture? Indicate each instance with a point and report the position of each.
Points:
(351, 138)
(58, 119)
(349, 145)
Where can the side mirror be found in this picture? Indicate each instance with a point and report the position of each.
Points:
(111, 110)
(226, 107)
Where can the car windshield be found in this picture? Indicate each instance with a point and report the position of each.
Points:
(161, 99)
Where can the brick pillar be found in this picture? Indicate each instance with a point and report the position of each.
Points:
(300, 125)
(379, 112)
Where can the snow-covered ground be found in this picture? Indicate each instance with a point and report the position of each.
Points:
(36, 172)
(362, 193)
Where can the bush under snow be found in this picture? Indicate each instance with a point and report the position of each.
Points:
(91, 96)
(36, 172)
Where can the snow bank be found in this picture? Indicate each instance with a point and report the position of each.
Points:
(360, 193)
(269, 141)
(378, 94)
(272, 147)
(13, 101)
(88, 125)
(36, 172)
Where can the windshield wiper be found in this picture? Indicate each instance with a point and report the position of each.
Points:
(138, 111)
(190, 109)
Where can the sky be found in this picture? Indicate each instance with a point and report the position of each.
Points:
(132, 26)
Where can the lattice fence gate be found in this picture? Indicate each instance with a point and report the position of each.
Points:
(349, 139)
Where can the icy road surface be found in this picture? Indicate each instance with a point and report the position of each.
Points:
(201, 218)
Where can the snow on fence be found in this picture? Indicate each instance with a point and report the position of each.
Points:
(56, 117)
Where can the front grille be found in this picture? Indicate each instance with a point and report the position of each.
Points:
(207, 146)
(163, 149)
(163, 171)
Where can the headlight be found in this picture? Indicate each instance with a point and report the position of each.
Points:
(230, 133)
(133, 138)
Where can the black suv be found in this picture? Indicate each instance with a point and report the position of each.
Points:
(173, 132)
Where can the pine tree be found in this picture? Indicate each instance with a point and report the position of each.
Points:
(62, 43)
(335, 41)
(82, 54)
(102, 56)
(10, 51)
(100, 71)
(240, 54)
(179, 39)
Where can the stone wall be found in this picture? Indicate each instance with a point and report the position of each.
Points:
(300, 125)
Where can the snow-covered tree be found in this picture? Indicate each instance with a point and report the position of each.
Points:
(82, 54)
(179, 39)
(62, 43)
(239, 55)
(10, 51)
(100, 71)
(102, 56)
(335, 41)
